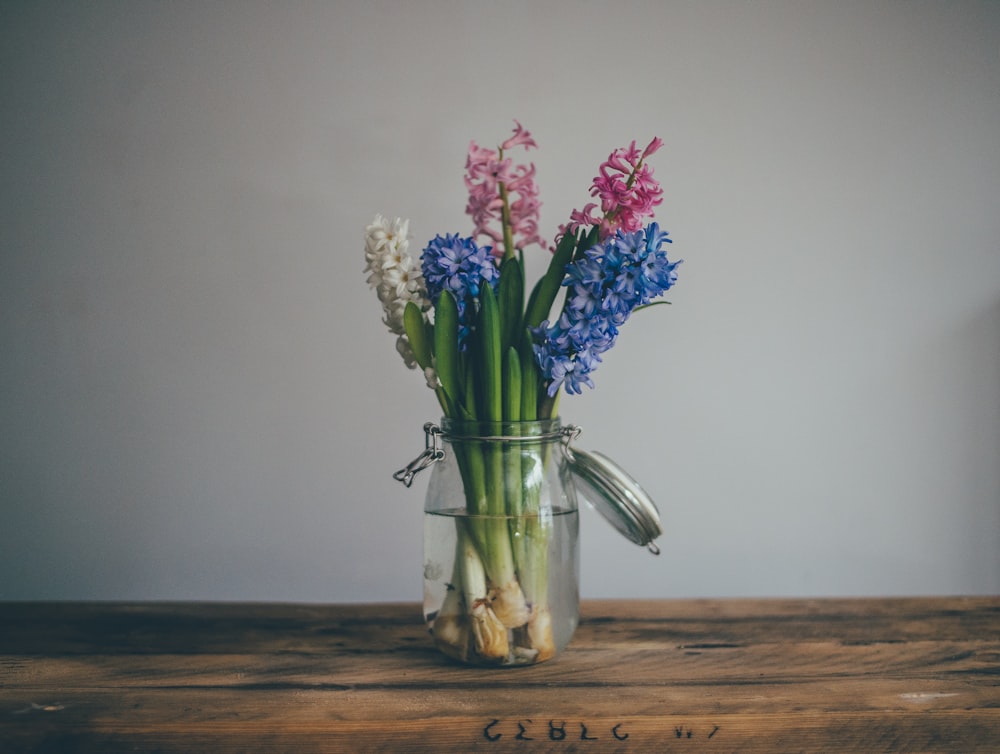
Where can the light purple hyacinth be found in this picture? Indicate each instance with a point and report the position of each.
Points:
(458, 265)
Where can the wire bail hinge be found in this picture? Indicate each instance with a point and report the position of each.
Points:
(431, 455)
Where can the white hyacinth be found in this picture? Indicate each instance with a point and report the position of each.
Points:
(396, 278)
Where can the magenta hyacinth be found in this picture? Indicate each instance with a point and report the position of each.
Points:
(627, 192)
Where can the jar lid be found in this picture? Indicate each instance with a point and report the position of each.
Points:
(616, 496)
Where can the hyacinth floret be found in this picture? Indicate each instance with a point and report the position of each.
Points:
(395, 276)
(626, 192)
(604, 287)
(459, 265)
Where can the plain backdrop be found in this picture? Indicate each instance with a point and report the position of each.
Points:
(198, 399)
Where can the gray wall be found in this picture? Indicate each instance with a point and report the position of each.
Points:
(197, 397)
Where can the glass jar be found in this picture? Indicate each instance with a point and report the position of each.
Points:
(501, 563)
(501, 527)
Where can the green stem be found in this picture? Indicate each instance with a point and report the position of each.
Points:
(481, 464)
(506, 226)
(505, 223)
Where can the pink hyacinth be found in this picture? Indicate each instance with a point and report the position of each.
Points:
(521, 137)
(487, 174)
(626, 190)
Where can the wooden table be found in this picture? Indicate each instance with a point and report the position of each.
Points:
(913, 675)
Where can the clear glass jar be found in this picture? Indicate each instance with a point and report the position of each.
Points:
(501, 529)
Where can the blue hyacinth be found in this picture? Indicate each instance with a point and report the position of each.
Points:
(458, 265)
(604, 287)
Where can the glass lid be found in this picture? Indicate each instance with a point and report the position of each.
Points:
(616, 496)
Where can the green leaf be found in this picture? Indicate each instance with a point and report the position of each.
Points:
(548, 407)
(650, 304)
(532, 298)
(531, 380)
(446, 404)
(588, 240)
(446, 346)
(512, 386)
(548, 287)
(510, 298)
(469, 411)
(416, 331)
(492, 369)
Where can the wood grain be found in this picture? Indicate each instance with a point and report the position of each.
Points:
(896, 675)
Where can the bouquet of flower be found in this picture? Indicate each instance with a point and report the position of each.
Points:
(495, 351)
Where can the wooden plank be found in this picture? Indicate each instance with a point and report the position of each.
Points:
(787, 732)
(212, 627)
(194, 704)
(604, 667)
(699, 676)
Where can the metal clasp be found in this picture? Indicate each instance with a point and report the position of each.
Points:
(569, 433)
(431, 455)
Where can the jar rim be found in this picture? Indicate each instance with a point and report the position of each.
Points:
(502, 431)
